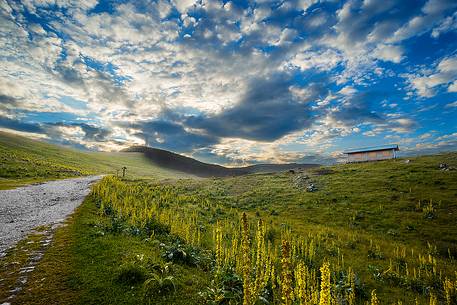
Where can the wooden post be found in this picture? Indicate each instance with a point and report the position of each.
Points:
(123, 171)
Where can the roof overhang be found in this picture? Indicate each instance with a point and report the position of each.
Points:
(372, 148)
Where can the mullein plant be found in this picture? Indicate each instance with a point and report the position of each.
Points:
(374, 298)
(449, 288)
(286, 268)
(246, 259)
(261, 265)
(350, 293)
(305, 285)
(325, 294)
(287, 291)
(218, 250)
(433, 299)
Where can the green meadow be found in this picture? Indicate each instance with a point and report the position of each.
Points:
(25, 161)
(371, 232)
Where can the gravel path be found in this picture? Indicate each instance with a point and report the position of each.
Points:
(25, 208)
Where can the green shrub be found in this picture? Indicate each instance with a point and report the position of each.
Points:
(186, 254)
(160, 283)
(117, 225)
(226, 288)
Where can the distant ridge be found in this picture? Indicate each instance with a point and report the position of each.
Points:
(170, 160)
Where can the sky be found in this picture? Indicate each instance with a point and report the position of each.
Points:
(232, 82)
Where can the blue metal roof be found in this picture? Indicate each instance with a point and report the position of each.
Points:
(372, 148)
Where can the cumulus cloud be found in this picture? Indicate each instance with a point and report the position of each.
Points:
(432, 12)
(172, 136)
(389, 53)
(183, 5)
(265, 75)
(267, 111)
(443, 74)
(320, 60)
(449, 24)
(452, 87)
(357, 109)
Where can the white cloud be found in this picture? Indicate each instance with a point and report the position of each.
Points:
(425, 136)
(447, 25)
(389, 53)
(287, 36)
(452, 87)
(450, 136)
(37, 29)
(305, 4)
(348, 91)
(164, 8)
(245, 152)
(403, 125)
(451, 105)
(322, 60)
(432, 12)
(444, 73)
(183, 5)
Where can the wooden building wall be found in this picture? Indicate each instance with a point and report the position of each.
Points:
(371, 155)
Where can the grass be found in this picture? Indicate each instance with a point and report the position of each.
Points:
(24, 161)
(359, 205)
(83, 263)
(365, 214)
(17, 258)
(375, 202)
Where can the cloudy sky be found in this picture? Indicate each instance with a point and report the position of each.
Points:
(232, 82)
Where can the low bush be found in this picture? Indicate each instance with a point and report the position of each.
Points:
(117, 225)
(226, 288)
(160, 283)
(178, 252)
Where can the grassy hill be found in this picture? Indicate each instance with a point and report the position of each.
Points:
(170, 160)
(387, 226)
(24, 161)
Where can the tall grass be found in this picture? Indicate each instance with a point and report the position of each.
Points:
(292, 269)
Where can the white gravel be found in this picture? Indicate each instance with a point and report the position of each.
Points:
(27, 207)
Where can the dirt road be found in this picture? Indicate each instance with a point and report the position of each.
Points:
(25, 208)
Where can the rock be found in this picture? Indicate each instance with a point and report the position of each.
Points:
(302, 181)
(311, 187)
(443, 167)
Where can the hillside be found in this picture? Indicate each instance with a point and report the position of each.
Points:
(387, 226)
(170, 160)
(24, 161)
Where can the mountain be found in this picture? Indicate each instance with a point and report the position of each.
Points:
(173, 161)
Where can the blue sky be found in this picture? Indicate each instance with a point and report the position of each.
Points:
(232, 82)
